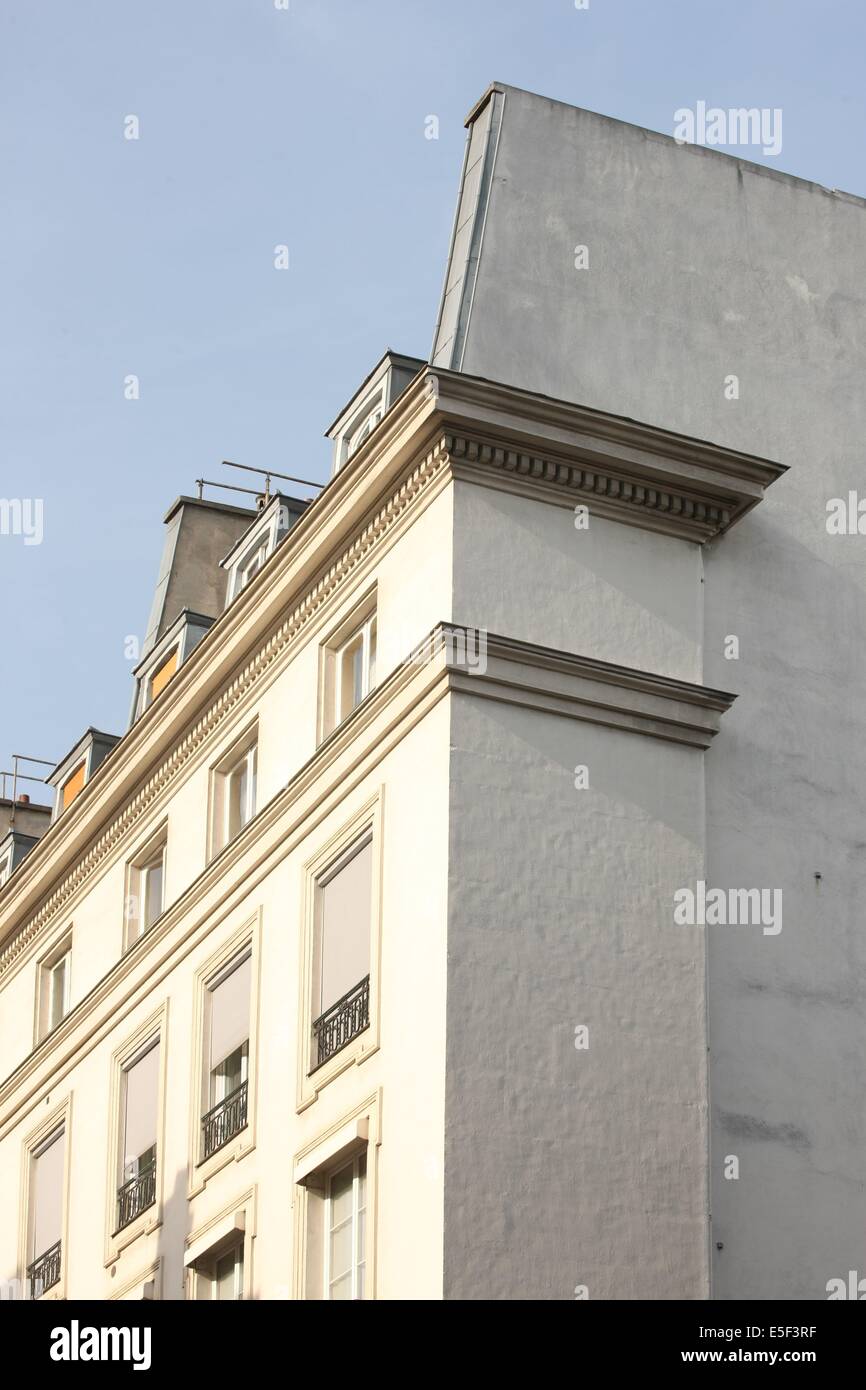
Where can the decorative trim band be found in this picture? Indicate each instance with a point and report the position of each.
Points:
(580, 687)
(607, 493)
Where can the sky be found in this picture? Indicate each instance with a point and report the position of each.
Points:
(266, 123)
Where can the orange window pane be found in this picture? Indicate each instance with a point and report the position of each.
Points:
(161, 677)
(72, 786)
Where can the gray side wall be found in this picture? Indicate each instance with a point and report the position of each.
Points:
(567, 1167)
(701, 266)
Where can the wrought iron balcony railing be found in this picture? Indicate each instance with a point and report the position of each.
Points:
(44, 1273)
(227, 1118)
(342, 1022)
(136, 1196)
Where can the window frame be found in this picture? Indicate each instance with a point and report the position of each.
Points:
(247, 766)
(356, 1132)
(367, 634)
(262, 546)
(321, 881)
(232, 1228)
(362, 618)
(45, 968)
(209, 1101)
(153, 1031)
(155, 845)
(243, 751)
(355, 432)
(236, 1250)
(80, 767)
(121, 1177)
(368, 819)
(257, 555)
(328, 1229)
(151, 695)
(365, 428)
(244, 940)
(60, 1119)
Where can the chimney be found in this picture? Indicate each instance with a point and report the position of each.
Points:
(198, 536)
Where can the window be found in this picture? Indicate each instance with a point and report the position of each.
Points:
(356, 669)
(341, 960)
(5, 867)
(347, 665)
(45, 1216)
(335, 1199)
(227, 1281)
(163, 674)
(250, 565)
(251, 551)
(139, 1116)
(54, 987)
(338, 1014)
(219, 1256)
(234, 794)
(241, 794)
(145, 893)
(366, 428)
(228, 1050)
(72, 786)
(345, 1223)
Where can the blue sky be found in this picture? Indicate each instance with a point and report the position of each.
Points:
(258, 127)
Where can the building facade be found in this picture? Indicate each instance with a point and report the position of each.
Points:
(352, 969)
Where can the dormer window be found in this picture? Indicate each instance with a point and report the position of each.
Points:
(163, 674)
(370, 404)
(249, 554)
(158, 667)
(73, 773)
(72, 786)
(14, 847)
(368, 425)
(251, 566)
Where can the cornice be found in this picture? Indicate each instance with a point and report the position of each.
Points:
(621, 469)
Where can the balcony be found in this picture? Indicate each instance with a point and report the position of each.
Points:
(44, 1273)
(227, 1118)
(342, 1022)
(136, 1196)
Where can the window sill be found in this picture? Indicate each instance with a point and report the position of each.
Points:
(364, 1045)
(56, 1294)
(203, 1169)
(119, 1241)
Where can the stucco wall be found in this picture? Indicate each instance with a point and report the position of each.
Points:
(569, 1167)
(614, 592)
